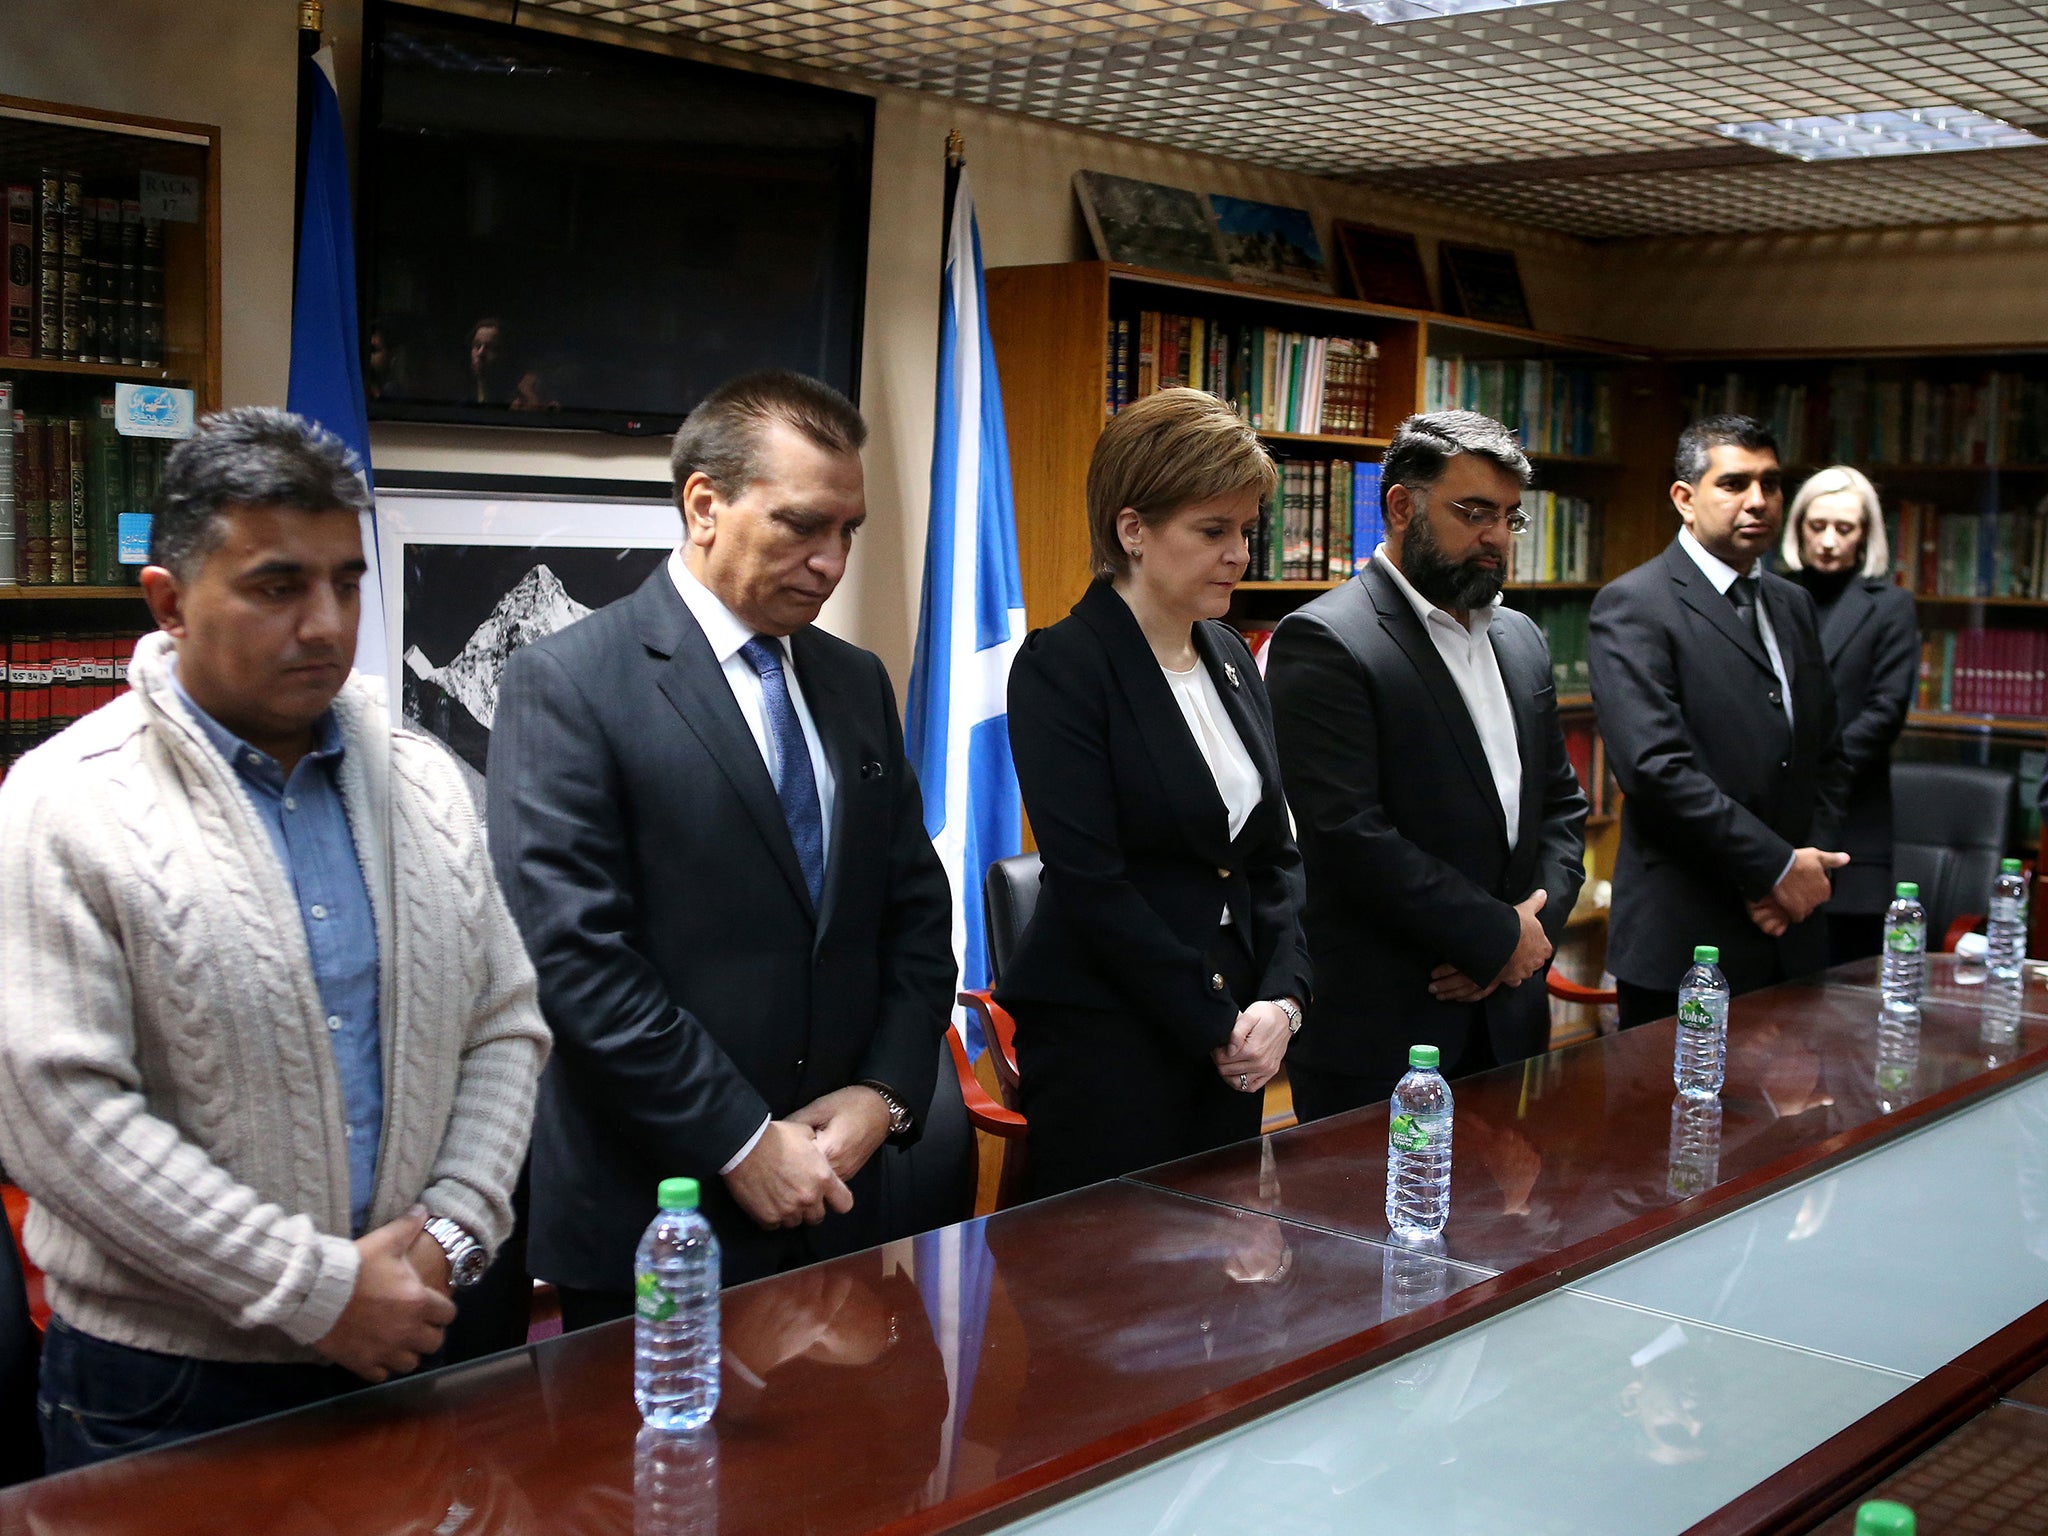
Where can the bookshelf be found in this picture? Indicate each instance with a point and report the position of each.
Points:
(134, 294)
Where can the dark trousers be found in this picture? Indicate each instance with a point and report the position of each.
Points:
(1854, 936)
(1319, 1093)
(1644, 1005)
(589, 1309)
(98, 1399)
(1107, 1094)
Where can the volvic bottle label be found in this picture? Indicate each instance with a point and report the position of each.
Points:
(1417, 1133)
(652, 1300)
(1694, 1014)
(1902, 939)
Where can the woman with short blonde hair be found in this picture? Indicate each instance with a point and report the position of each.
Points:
(1163, 971)
(1835, 547)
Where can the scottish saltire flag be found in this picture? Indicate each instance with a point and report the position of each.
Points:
(971, 619)
(327, 372)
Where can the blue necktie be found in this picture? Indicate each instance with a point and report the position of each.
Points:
(795, 784)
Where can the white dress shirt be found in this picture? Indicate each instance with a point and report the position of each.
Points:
(1467, 650)
(1216, 738)
(1723, 576)
(726, 635)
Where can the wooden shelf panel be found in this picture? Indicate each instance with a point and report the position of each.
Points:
(1325, 440)
(1291, 586)
(21, 594)
(1996, 725)
(1575, 701)
(122, 371)
(1939, 600)
(1552, 586)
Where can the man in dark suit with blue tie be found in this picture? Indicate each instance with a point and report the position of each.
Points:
(713, 843)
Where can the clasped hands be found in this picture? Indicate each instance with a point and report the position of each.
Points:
(798, 1169)
(1257, 1042)
(1796, 896)
(1448, 984)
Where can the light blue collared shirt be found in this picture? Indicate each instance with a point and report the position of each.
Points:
(308, 826)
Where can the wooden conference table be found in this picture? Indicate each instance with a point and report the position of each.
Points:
(1613, 1338)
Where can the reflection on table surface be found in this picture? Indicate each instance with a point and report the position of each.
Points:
(943, 1377)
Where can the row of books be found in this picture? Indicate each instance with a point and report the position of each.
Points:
(1588, 752)
(1564, 409)
(85, 273)
(1565, 622)
(1984, 671)
(1562, 543)
(52, 679)
(1969, 554)
(1874, 415)
(1321, 524)
(1280, 381)
(64, 483)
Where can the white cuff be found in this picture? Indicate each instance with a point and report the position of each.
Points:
(1774, 885)
(740, 1156)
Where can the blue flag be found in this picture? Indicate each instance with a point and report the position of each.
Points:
(971, 618)
(327, 371)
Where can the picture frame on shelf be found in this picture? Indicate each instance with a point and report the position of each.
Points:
(1383, 266)
(1482, 282)
(1269, 244)
(469, 577)
(1144, 224)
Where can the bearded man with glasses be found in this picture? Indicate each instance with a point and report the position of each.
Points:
(1440, 822)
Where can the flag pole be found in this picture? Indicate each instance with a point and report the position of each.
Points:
(956, 157)
(312, 20)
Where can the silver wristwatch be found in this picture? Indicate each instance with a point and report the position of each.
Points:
(1292, 1009)
(899, 1112)
(466, 1263)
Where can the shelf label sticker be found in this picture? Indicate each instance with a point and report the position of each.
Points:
(170, 197)
(131, 537)
(153, 410)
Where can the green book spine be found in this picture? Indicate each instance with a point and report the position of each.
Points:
(106, 485)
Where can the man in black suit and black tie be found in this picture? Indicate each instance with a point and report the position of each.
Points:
(710, 837)
(1718, 712)
(1440, 822)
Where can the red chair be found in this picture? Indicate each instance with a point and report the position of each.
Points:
(1008, 894)
(1565, 990)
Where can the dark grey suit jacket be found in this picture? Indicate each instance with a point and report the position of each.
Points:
(692, 989)
(1719, 788)
(1871, 636)
(1401, 830)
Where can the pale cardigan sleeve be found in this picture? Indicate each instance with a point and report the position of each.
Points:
(75, 1130)
(505, 1040)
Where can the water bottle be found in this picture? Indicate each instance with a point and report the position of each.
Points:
(1881, 1517)
(675, 1313)
(1695, 1146)
(1999, 1032)
(2005, 935)
(1419, 1149)
(1905, 948)
(1701, 1063)
(1898, 1053)
(675, 1482)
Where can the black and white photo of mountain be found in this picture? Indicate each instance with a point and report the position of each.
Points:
(468, 607)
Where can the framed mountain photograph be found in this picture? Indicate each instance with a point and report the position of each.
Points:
(1270, 245)
(1143, 224)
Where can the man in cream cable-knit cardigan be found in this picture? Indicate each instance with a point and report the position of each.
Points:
(268, 1038)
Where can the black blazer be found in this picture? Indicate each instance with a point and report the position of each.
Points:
(1720, 788)
(692, 989)
(1871, 634)
(1138, 855)
(1401, 829)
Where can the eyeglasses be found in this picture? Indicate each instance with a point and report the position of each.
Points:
(1484, 516)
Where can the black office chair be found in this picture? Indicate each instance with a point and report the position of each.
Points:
(1949, 828)
(1008, 893)
(21, 1349)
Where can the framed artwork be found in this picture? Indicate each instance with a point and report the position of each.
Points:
(1143, 224)
(1481, 282)
(1268, 244)
(469, 578)
(1384, 266)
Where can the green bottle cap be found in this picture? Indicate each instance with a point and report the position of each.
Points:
(1881, 1517)
(1909, 890)
(1424, 1056)
(677, 1194)
(2008, 866)
(1706, 954)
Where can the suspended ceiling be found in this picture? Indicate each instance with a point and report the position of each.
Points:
(1590, 117)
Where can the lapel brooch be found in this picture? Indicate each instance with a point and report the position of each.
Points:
(1230, 671)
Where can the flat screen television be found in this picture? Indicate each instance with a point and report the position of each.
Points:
(563, 233)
